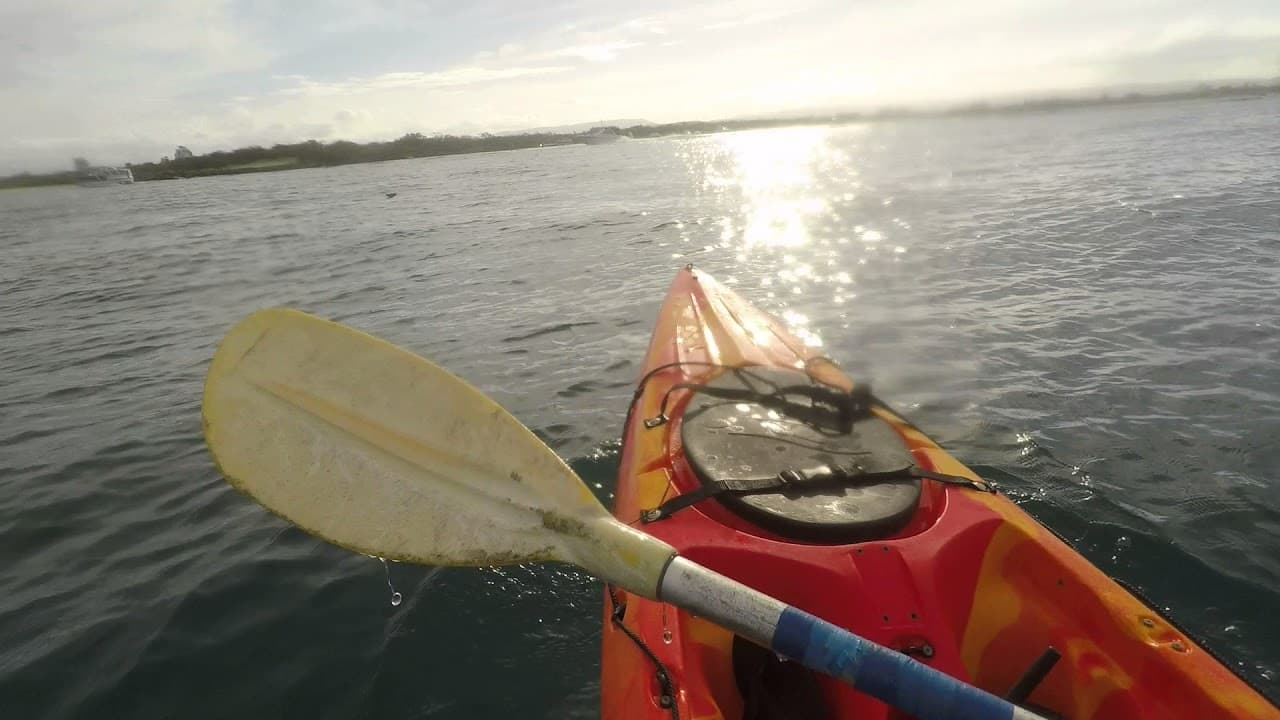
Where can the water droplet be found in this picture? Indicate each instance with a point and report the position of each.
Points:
(1122, 543)
(396, 598)
(666, 636)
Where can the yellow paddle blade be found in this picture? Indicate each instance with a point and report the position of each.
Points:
(374, 449)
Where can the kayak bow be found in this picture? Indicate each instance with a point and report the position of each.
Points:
(379, 451)
(757, 458)
(755, 480)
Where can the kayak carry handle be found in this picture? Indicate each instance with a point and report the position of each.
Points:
(1033, 676)
(887, 675)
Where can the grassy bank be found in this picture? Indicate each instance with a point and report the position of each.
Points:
(313, 153)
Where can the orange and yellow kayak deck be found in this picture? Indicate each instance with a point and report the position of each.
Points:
(969, 576)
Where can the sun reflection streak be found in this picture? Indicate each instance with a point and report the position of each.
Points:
(794, 211)
(773, 172)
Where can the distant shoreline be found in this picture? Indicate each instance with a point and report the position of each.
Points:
(314, 154)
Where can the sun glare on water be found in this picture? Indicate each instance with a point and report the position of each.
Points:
(773, 171)
(775, 187)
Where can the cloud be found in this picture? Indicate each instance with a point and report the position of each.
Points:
(119, 80)
(751, 19)
(603, 52)
(645, 25)
(451, 78)
(1198, 57)
(60, 45)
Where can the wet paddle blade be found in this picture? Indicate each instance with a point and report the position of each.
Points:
(374, 449)
(379, 451)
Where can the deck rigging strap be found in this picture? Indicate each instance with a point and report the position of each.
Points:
(843, 407)
(617, 615)
(830, 408)
(800, 479)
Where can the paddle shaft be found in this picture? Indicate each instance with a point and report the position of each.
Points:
(326, 426)
(887, 675)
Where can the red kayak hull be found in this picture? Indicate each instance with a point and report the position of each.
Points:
(970, 575)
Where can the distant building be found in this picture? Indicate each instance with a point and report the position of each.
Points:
(98, 175)
(182, 153)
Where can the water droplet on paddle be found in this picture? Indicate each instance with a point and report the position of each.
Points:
(395, 599)
(666, 636)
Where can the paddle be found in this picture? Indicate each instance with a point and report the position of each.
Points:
(379, 451)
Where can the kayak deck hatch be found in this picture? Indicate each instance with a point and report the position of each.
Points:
(755, 456)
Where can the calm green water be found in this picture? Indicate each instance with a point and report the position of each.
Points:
(1081, 305)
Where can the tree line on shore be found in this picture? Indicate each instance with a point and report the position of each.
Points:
(313, 153)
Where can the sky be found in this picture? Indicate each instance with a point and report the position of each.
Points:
(117, 81)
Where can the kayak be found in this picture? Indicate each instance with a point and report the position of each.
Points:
(757, 457)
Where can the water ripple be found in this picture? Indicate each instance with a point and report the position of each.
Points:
(1080, 304)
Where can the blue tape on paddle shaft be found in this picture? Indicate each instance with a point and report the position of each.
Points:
(882, 673)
